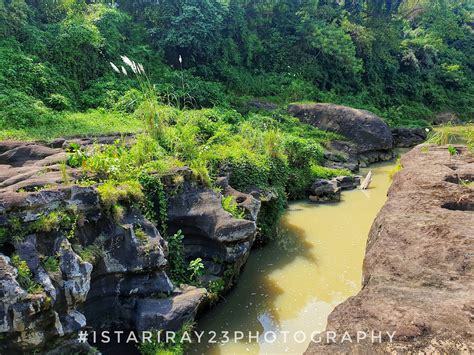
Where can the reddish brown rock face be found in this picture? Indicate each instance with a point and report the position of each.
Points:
(418, 270)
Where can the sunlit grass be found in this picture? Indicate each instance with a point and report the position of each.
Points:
(90, 123)
(449, 134)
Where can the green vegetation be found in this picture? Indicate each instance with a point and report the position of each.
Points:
(452, 150)
(229, 205)
(176, 347)
(404, 60)
(61, 219)
(196, 268)
(111, 192)
(328, 173)
(90, 253)
(179, 271)
(395, 169)
(51, 264)
(25, 277)
(449, 134)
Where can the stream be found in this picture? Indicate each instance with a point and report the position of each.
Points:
(291, 285)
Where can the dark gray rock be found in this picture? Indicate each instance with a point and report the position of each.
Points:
(408, 137)
(365, 129)
(347, 182)
(169, 313)
(324, 191)
(210, 232)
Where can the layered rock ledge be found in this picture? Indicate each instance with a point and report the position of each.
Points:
(418, 270)
(69, 261)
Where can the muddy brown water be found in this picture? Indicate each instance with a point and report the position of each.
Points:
(288, 288)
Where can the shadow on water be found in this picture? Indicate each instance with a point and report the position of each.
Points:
(251, 305)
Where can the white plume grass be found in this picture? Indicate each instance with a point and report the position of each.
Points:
(115, 68)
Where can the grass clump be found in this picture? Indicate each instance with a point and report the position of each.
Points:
(91, 253)
(322, 172)
(229, 205)
(25, 277)
(111, 192)
(51, 264)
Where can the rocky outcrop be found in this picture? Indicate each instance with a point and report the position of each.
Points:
(370, 135)
(67, 260)
(418, 276)
(408, 137)
(86, 267)
(210, 232)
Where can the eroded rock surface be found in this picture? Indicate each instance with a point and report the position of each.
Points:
(210, 232)
(418, 276)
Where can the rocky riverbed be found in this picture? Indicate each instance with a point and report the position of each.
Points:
(418, 276)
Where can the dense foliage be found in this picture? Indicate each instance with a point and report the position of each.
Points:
(403, 59)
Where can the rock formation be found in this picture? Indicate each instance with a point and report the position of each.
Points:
(370, 135)
(418, 269)
(67, 260)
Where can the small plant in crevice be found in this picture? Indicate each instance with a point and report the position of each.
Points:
(91, 253)
(25, 277)
(229, 205)
(140, 234)
(395, 169)
(452, 150)
(196, 268)
(214, 289)
(51, 264)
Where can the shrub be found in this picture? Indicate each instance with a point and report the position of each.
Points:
(59, 102)
(18, 109)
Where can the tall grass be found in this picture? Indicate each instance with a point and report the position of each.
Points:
(149, 109)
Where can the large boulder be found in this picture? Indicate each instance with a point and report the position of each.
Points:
(418, 281)
(365, 129)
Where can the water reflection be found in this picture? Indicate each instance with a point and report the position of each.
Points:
(294, 283)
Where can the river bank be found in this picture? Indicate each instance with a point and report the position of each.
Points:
(417, 274)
